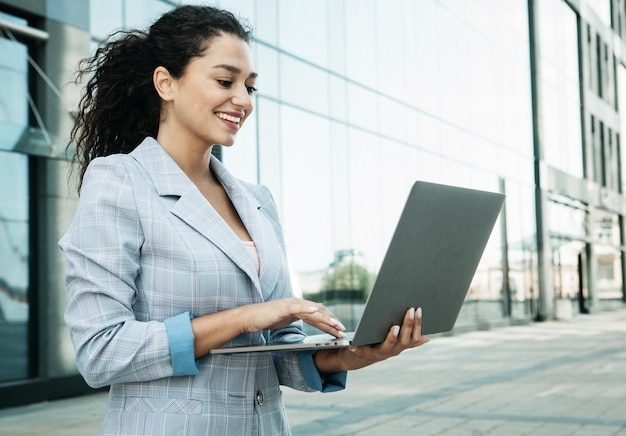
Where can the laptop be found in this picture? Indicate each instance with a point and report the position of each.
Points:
(430, 262)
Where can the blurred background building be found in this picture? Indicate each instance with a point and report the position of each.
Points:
(357, 99)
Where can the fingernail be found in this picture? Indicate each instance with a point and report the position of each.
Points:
(396, 330)
(412, 313)
(419, 313)
(353, 349)
(338, 323)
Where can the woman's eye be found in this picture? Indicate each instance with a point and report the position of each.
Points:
(225, 83)
(251, 89)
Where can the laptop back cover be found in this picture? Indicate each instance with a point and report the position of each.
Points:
(431, 259)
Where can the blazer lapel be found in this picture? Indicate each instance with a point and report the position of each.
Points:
(261, 231)
(192, 207)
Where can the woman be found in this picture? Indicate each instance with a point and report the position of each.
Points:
(170, 256)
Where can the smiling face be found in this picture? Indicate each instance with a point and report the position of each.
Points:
(213, 98)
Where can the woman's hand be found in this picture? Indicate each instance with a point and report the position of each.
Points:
(399, 338)
(215, 329)
(276, 314)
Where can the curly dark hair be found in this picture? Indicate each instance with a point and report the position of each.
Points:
(119, 105)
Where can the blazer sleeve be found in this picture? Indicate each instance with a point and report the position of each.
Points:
(102, 249)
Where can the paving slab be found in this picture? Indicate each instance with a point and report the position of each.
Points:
(547, 378)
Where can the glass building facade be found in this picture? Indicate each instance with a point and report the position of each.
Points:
(357, 99)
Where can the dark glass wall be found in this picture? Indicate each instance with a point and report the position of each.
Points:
(14, 212)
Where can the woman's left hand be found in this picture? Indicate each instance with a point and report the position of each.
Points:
(399, 338)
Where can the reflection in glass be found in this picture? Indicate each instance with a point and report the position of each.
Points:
(266, 61)
(105, 17)
(303, 85)
(560, 86)
(366, 195)
(13, 211)
(608, 273)
(362, 107)
(13, 266)
(345, 286)
(522, 249)
(13, 93)
(360, 40)
(440, 93)
(606, 230)
(567, 219)
(567, 266)
(606, 234)
(294, 35)
(306, 189)
(621, 79)
(487, 282)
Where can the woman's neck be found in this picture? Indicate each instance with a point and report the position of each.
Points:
(192, 159)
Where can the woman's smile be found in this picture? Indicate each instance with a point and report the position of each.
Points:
(231, 120)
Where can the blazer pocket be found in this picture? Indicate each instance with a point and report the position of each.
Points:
(163, 405)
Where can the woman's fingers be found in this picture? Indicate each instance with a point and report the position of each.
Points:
(312, 313)
(397, 340)
(280, 313)
(417, 326)
(411, 331)
(409, 335)
(325, 321)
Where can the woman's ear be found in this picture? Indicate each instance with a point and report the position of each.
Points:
(164, 83)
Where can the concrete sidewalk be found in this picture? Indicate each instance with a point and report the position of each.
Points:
(550, 378)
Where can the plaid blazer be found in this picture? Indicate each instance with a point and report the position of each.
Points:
(146, 246)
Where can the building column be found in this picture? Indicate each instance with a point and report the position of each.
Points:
(545, 306)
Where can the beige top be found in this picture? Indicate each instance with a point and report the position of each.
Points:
(254, 253)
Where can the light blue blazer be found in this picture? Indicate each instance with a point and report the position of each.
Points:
(145, 253)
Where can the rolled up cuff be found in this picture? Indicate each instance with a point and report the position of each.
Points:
(323, 383)
(181, 341)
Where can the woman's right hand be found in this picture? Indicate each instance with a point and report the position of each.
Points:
(215, 329)
(280, 313)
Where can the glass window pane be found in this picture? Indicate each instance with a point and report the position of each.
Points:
(360, 38)
(241, 157)
(303, 85)
(621, 87)
(266, 60)
(306, 189)
(609, 272)
(14, 257)
(303, 30)
(140, 14)
(243, 9)
(269, 146)
(603, 9)
(362, 107)
(608, 256)
(522, 249)
(565, 220)
(566, 266)
(606, 229)
(560, 104)
(105, 17)
(265, 24)
(13, 92)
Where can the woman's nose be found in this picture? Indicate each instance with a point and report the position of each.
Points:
(242, 98)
